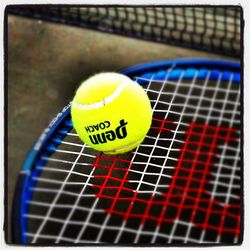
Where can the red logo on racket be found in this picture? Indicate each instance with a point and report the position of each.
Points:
(192, 194)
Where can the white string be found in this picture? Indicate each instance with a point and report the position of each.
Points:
(151, 152)
(194, 107)
(55, 190)
(58, 160)
(67, 221)
(183, 96)
(71, 240)
(46, 217)
(232, 176)
(60, 205)
(187, 84)
(141, 181)
(194, 115)
(191, 85)
(123, 226)
(212, 103)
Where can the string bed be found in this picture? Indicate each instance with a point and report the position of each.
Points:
(181, 185)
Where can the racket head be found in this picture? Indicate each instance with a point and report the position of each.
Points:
(53, 136)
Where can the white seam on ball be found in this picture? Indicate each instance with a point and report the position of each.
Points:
(102, 103)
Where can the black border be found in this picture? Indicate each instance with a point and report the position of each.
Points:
(5, 43)
(6, 222)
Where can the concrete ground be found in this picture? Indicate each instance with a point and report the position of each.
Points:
(46, 62)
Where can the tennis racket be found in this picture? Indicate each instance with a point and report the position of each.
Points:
(183, 184)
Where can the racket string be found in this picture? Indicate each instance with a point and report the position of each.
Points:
(163, 190)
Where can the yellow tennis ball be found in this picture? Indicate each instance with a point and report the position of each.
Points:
(111, 113)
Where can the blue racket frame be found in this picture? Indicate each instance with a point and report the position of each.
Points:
(58, 128)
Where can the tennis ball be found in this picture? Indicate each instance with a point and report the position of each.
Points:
(111, 113)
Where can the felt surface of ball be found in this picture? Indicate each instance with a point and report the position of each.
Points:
(111, 113)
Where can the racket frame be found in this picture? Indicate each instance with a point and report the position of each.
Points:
(19, 222)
